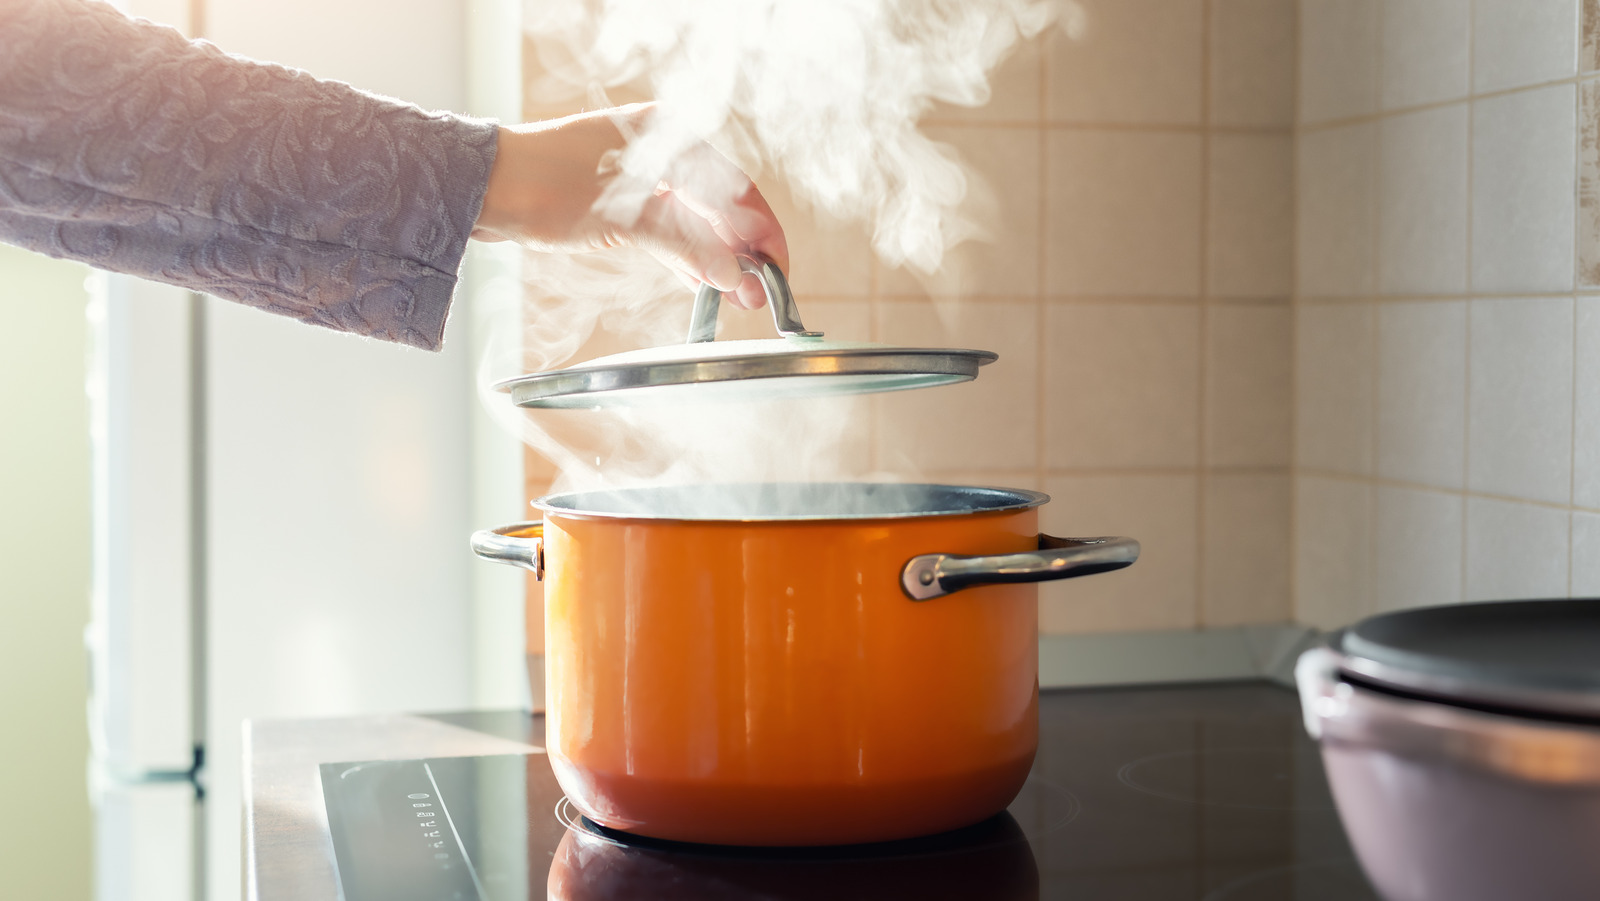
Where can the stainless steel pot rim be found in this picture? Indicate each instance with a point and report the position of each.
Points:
(745, 502)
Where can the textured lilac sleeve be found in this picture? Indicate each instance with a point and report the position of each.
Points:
(126, 146)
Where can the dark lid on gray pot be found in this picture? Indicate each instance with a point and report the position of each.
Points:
(1534, 657)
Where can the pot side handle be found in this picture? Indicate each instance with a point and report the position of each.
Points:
(520, 544)
(932, 576)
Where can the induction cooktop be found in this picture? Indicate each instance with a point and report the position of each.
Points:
(1211, 793)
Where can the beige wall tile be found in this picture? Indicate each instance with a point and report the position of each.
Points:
(1338, 55)
(548, 95)
(1333, 551)
(1586, 406)
(1248, 385)
(1523, 149)
(1250, 216)
(1589, 183)
(1252, 62)
(1121, 385)
(1589, 53)
(1334, 376)
(1425, 51)
(1422, 392)
(1003, 199)
(1014, 87)
(1334, 210)
(1519, 42)
(988, 423)
(1422, 202)
(1158, 592)
(1519, 431)
(1585, 555)
(827, 257)
(1246, 550)
(1418, 548)
(1026, 479)
(1515, 551)
(840, 319)
(1122, 213)
(1136, 61)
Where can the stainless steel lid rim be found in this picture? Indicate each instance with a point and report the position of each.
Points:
(811, 366)
(914, 365)
(962, 355)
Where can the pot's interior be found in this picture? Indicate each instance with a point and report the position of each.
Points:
(746, 502)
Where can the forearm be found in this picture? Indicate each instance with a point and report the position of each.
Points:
(123, 145)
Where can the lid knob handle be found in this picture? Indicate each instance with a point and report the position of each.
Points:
(785, 315)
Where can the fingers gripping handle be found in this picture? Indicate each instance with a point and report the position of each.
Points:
(785, 315)
(932, 576)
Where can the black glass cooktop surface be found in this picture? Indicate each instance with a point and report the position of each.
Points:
(1208, 793)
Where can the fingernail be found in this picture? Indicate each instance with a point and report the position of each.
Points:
(751, 294)
(725, 274)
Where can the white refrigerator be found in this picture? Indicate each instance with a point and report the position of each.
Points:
(281, 512)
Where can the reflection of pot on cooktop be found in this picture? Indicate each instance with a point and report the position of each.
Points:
(991, 860)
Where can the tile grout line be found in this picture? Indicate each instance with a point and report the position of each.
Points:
(1585, 11)
(1228, 469)
(1042, 468)
(1375, 423)
(1332, 300)
(1464, 493)
(1467, 98)
(1135, 127)
(1466, 401)
(1572, 428)
(1294, 331)
(1041, 446)
(1577, 279)
(1368, 604)
(1202, 482)
(1055, 298)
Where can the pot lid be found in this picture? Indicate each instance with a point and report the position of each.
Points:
(799, 363)
(1537, 657)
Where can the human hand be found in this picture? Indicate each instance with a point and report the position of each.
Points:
(552, 185)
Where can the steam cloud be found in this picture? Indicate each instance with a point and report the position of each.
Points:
(828, 91)
(824, 94)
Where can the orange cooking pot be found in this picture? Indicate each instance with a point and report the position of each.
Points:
(793, 664)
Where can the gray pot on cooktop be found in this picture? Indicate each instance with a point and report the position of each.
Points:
(1462, 745)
